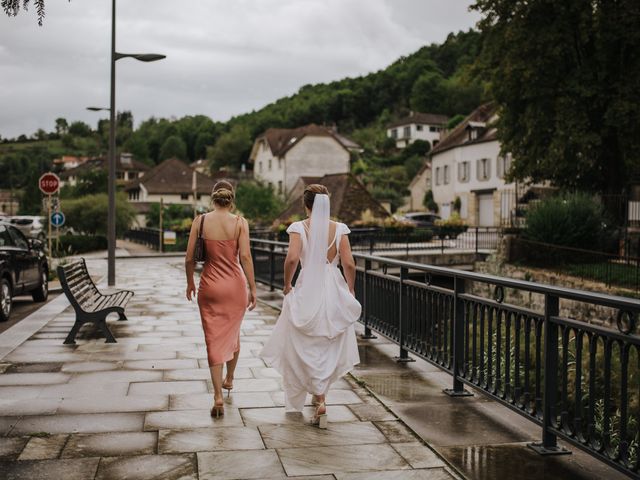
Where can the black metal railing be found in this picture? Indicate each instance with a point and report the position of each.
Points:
(471, 239)
(579, 381)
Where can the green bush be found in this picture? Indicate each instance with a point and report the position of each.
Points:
(258, 202)
(76, 244)
(452, 226)
(88, 214)
(576, 220)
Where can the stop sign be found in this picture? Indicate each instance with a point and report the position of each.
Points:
(49, 183)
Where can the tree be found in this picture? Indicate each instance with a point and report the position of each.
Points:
(62, 126)
(565, 77)
(12, 7)
(172, 147)
(88, 214)
(80, 129)
(232, 148)
(258, 202)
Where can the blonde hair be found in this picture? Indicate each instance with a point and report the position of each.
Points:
(223, 194)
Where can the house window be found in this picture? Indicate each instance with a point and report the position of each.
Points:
(484, 169)
(279, 187)
(394, 133)
(270, 161)
(280, 163)
(132, 175)
(503, 165)
(406, 133)
(120, 175)
(419, 128)
(437, 175)
(433, 129)
(473, 134)
(260, 166)
(184, 196)
(463, 172)
(271, 186)
(446, 175)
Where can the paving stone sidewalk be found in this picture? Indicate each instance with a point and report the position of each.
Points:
(139, 409)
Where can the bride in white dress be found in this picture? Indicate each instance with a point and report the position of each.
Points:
(314, 343)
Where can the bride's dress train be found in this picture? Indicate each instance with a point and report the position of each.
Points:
(314, 343)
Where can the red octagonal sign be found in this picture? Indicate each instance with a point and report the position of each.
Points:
(49, 183)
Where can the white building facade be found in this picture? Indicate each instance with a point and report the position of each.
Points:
(417, 126)
(281, 156)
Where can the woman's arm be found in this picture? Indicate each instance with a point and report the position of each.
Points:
(189, 262)
(291, 262)
(247, 262)
(347, 262)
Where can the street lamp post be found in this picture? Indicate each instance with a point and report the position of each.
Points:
(111, 215)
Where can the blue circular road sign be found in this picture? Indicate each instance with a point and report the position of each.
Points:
(57, 219)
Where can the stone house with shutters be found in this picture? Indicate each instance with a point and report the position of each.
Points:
(467, 164)
(280, 156)
(173, 182)
(417, 126)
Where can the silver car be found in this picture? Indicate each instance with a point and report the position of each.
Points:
(30, 225)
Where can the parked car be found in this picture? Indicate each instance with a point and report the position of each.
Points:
(23, 268)
(421, 219)
(31, 226)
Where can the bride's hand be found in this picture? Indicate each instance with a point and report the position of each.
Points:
(251, 300)
(287, 289)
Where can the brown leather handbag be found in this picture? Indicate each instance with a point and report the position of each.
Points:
(199, 254)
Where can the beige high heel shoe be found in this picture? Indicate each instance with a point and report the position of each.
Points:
(228, 385)
(217, 410)
(320, 418)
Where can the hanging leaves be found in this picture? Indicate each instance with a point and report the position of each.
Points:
(12, 7)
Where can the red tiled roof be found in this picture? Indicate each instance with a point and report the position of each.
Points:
(349, 199)
(420, 118)
(172, 177)
(459, 135)
(280, 140)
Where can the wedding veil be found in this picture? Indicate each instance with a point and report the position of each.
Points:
(310, 295)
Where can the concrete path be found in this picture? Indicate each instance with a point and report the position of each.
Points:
(139, 409)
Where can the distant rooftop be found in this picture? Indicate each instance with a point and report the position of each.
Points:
(421, 119)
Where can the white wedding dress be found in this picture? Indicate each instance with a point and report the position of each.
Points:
(314, 343)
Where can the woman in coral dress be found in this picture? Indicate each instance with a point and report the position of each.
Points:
(314, 343)
(223, 296)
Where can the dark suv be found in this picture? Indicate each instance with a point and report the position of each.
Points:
(23, 268)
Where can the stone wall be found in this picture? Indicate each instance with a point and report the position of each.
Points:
(496, 265)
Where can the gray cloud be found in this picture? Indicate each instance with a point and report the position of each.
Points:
(223, 57)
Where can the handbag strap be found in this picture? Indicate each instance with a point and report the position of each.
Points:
(201, 225)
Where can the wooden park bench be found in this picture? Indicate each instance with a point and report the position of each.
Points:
(90, 305)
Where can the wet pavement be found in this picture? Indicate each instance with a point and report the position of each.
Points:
(139, 409)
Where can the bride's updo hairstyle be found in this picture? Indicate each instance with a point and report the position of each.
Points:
(310, 194)
(223, 194)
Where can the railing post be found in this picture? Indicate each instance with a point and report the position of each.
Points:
(458, 340)
(404, 354)
(476, 240)
(365, 313)
(272, 267)
(371, 244)
(549, 444)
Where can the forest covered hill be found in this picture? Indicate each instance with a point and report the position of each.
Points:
(438, 78)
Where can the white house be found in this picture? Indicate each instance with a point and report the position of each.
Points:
(127, 169)
(417, 126)
(467, 164)
(173, 182)
(281, 156)
(418, 187)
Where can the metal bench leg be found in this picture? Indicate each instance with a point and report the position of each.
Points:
(71, 338)
(102, 324)
(122, 316)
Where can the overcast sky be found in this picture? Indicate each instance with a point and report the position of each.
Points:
(224, 57)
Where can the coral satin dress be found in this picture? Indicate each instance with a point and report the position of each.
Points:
(222, 299)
